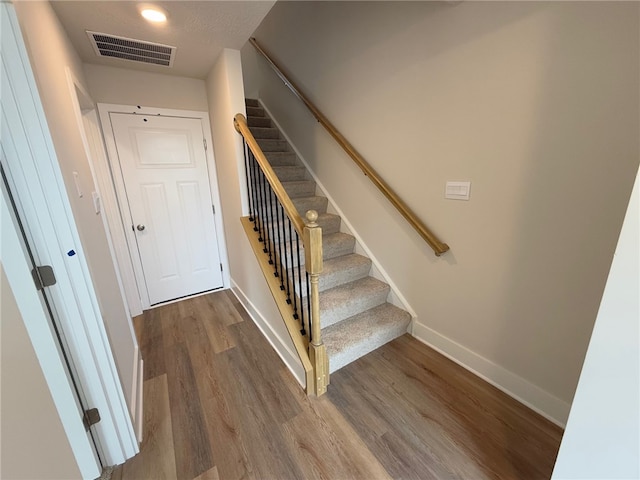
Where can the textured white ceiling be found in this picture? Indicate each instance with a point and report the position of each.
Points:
(200, 29)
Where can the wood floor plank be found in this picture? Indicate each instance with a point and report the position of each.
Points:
(209, 475)
(193, 450)
(233, 410)
(228, 450)
(153, 461)
(151, 343)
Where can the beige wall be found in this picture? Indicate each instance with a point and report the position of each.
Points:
(226, 99)
(34, 443)
(131, 87)
(536, 103)
(51, 53)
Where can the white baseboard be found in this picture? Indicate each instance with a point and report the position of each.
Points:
(289, 357)
(541, 401)
(136, 409)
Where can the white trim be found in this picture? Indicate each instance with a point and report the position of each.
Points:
(377, 271)
(37, 185)
(35, 319)
(537, 399)
(139, 402)
(130, 262)
(288, 356)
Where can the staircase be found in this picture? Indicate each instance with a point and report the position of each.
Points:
(355, 315)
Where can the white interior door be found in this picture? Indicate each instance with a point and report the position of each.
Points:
(164, 169)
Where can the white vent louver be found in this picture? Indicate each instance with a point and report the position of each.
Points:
(129, 49)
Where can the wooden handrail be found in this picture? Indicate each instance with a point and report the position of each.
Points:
(240, 122)
(438, 247)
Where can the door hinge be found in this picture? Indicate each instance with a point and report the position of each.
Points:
(204, 141)
(90, 417)
(221, 268)
(43, 276)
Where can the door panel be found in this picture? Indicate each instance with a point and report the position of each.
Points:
(164, 169)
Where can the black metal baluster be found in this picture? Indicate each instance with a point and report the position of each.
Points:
(272, 240)
(280, 241)
(256, 196)
(283, 252)
(302, 330)
(265, 214)
(247, 174)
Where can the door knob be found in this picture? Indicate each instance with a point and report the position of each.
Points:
(140, 227)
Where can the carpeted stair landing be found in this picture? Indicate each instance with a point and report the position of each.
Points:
(355, 315)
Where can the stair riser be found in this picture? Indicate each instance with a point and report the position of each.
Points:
(273, 145)
(334, 279)
(329, 225)
(297, 189)
(291, 174)
(329, 250)
(282, 159)
(255, 112)
(260, 133)
(251, 102)
(259, 122)
(364, 346)
(302, 205)
(356, 303)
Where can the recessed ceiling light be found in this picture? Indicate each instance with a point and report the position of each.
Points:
(154, 15)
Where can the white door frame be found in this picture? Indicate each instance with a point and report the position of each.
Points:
(120, 218)
(30, 162)
(89, 127)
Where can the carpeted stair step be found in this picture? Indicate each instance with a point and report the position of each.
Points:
(251, 102)
(340, 270)
(282, 159)
(333, 245)
(300, 188)
(304, 204)
(291, 173)
(271, 145)
(265, 132)
(354, 337)
(258, 121)
(344, 301)
(329, 223)
(297, 188)
(255, 111)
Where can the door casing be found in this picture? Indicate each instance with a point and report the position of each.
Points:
(119, 218)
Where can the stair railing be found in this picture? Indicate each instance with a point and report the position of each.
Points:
(281, 232)
(434, 242)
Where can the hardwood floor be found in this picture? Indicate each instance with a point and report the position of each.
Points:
(220, 404)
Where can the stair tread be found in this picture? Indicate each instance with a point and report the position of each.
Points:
(360, 334)
(312, 202)
(340, 270)
(265, 133)
(288, 173)
(299, 188)
(329, 222)
(351, 298)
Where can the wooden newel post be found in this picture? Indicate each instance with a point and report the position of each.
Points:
(313, 265)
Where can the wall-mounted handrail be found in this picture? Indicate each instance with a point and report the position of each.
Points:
(240, 123)
(438, 247)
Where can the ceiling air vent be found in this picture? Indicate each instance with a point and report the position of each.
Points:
(130, 49)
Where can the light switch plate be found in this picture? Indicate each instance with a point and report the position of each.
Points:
(96, 201)
(457, 190)
(76, 180)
